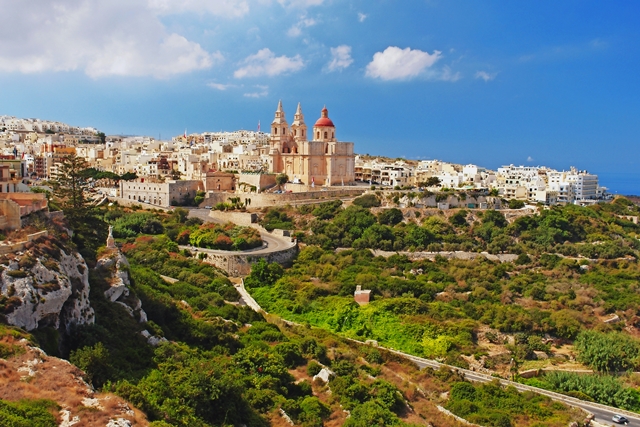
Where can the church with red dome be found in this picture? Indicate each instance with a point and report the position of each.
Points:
(316, 159)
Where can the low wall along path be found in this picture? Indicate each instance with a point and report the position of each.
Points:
(278, 247)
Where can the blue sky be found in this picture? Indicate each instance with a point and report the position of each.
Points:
(488, 82)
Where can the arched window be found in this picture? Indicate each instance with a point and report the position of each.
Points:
(325, 135)
(275, 131)
(333, 135)
(318, 135)
(284, 130)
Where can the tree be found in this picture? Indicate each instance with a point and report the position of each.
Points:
(281, 179)
(102, 137)
(95, 362)
(391, 216)
(607, 352)
(129, 176)
(516, 204)
(70, 187)
(432, 181)
(264, 274)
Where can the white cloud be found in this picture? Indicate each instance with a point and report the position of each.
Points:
(485, 75)
(529, 159)
(118, 37)
(266, 63)
(340, 58)
(219, 86)
(263, 91)
(361, 17)
(296, 29)
(300, 4)
(400, 64)
(225, 8)
(447, 75)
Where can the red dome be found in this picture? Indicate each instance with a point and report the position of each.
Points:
(324, 121)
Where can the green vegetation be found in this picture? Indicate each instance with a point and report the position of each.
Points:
(490, 404)
(605, 389)
(608, 352)
(225, 237)
(28, 413)
(592, 232)
(276, 218)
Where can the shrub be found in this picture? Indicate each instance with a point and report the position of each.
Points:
(367, 201)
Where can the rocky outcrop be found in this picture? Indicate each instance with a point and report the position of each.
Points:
(41, 289)
(115, 267)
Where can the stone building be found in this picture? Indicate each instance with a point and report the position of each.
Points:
(160, 193)
(219, 181)
(323, 160)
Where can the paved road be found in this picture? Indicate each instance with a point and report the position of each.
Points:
(272, 243)
(602, 413)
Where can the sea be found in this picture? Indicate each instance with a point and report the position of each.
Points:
(622, 183)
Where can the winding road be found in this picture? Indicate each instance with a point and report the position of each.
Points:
(272, 243)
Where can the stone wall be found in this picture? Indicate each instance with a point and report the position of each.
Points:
(258, 180)
(10, 212)
(19, 246)
(129, 203)
(271, 199)
(415, 256)
(241, 218)
(239, 264)
(28, 202)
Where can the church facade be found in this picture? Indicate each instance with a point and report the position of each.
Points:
(311, 158)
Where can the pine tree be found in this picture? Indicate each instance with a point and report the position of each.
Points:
(70, 191)
(70, 188)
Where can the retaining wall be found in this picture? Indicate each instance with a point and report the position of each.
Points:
(19, 246)
(241, 218)
(415, 256)
(239, 264)
(271, 199)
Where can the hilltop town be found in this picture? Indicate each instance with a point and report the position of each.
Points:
(217, 166)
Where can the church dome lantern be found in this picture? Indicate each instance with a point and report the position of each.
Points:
(324, 119)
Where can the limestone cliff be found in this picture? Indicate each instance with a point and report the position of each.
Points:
(114, 267)
(46, 285)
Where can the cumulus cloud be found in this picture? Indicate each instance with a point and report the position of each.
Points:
(529, 159)
(361, 17)
(340, 58)
(296, 29)
(400, 64)
(266, 63)
(261, 92)
(118, 37)
(485, 75)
